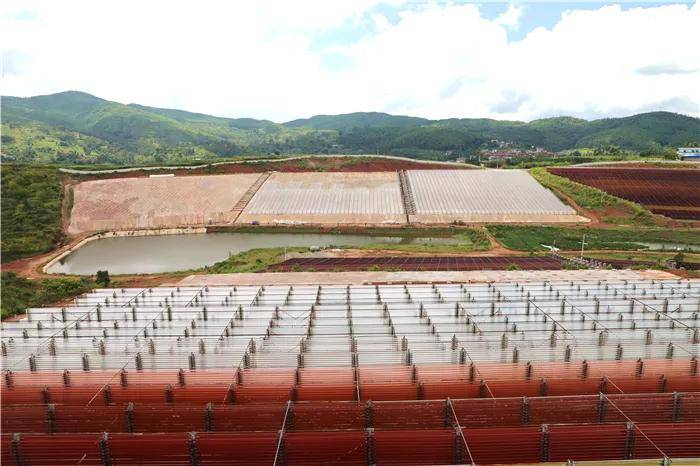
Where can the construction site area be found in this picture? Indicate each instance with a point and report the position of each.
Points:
(336, 198)
(588, 366)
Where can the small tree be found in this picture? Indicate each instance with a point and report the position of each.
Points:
(678, 258)
(102, 277)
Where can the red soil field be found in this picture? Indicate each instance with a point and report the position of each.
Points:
(311, 164)
(407, 263)
(660, 164)
(671, 192)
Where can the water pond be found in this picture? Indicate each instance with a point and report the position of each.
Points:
(169, 253)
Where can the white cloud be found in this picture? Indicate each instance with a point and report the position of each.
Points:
(511, 17)
(259, 59)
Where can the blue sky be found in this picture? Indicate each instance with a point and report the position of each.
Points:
(534, 14)
(282, 60)
(547, 14)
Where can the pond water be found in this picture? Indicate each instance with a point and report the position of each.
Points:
(169, 253)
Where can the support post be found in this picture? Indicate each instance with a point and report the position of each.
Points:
(601, 408)
(629, 441)
(17, 449)
(676, 407)
(51, 417)
(129, 417)
(369, 421)
(192, 447)
(544, 444)
(104, 450)
(370, 446)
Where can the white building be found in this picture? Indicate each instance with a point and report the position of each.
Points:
(689, 153)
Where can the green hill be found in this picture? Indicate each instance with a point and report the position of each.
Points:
(349, 121)
(75, 127)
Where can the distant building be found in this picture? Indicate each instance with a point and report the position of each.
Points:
(689, 153)
(509, 154)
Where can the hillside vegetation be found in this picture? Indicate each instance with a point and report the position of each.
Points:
(75, 127)
(31, 211)
(20, 293)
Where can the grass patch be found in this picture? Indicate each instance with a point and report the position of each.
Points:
(466, 241)
(406, 231)
(258, 260)
(651, 256)
(31, 210)
(531, 238)
(255, 260)
(20, 293)
(589, 198)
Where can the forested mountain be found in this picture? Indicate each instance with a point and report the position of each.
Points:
(349, 121)
(75, 127)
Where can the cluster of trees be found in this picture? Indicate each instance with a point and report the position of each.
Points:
(31, 211)
(20, 293)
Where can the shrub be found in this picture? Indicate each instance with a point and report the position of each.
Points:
(102, 278)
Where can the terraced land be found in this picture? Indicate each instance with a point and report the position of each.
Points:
(671, 192)
(157, 202)
(448, 196)
(329, 198)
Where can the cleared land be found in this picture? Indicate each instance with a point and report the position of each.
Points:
(476, 276)
(671, 192)
(159, 202)
(303, 163)
(447, 196)
(327, 198)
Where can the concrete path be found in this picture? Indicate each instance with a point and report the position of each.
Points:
(481, 276)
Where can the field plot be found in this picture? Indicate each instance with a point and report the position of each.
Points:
(484, 196)
(159, 202)
(320, 264)
(327, 198)
(671, 192)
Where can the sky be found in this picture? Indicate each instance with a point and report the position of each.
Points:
(281, 60)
